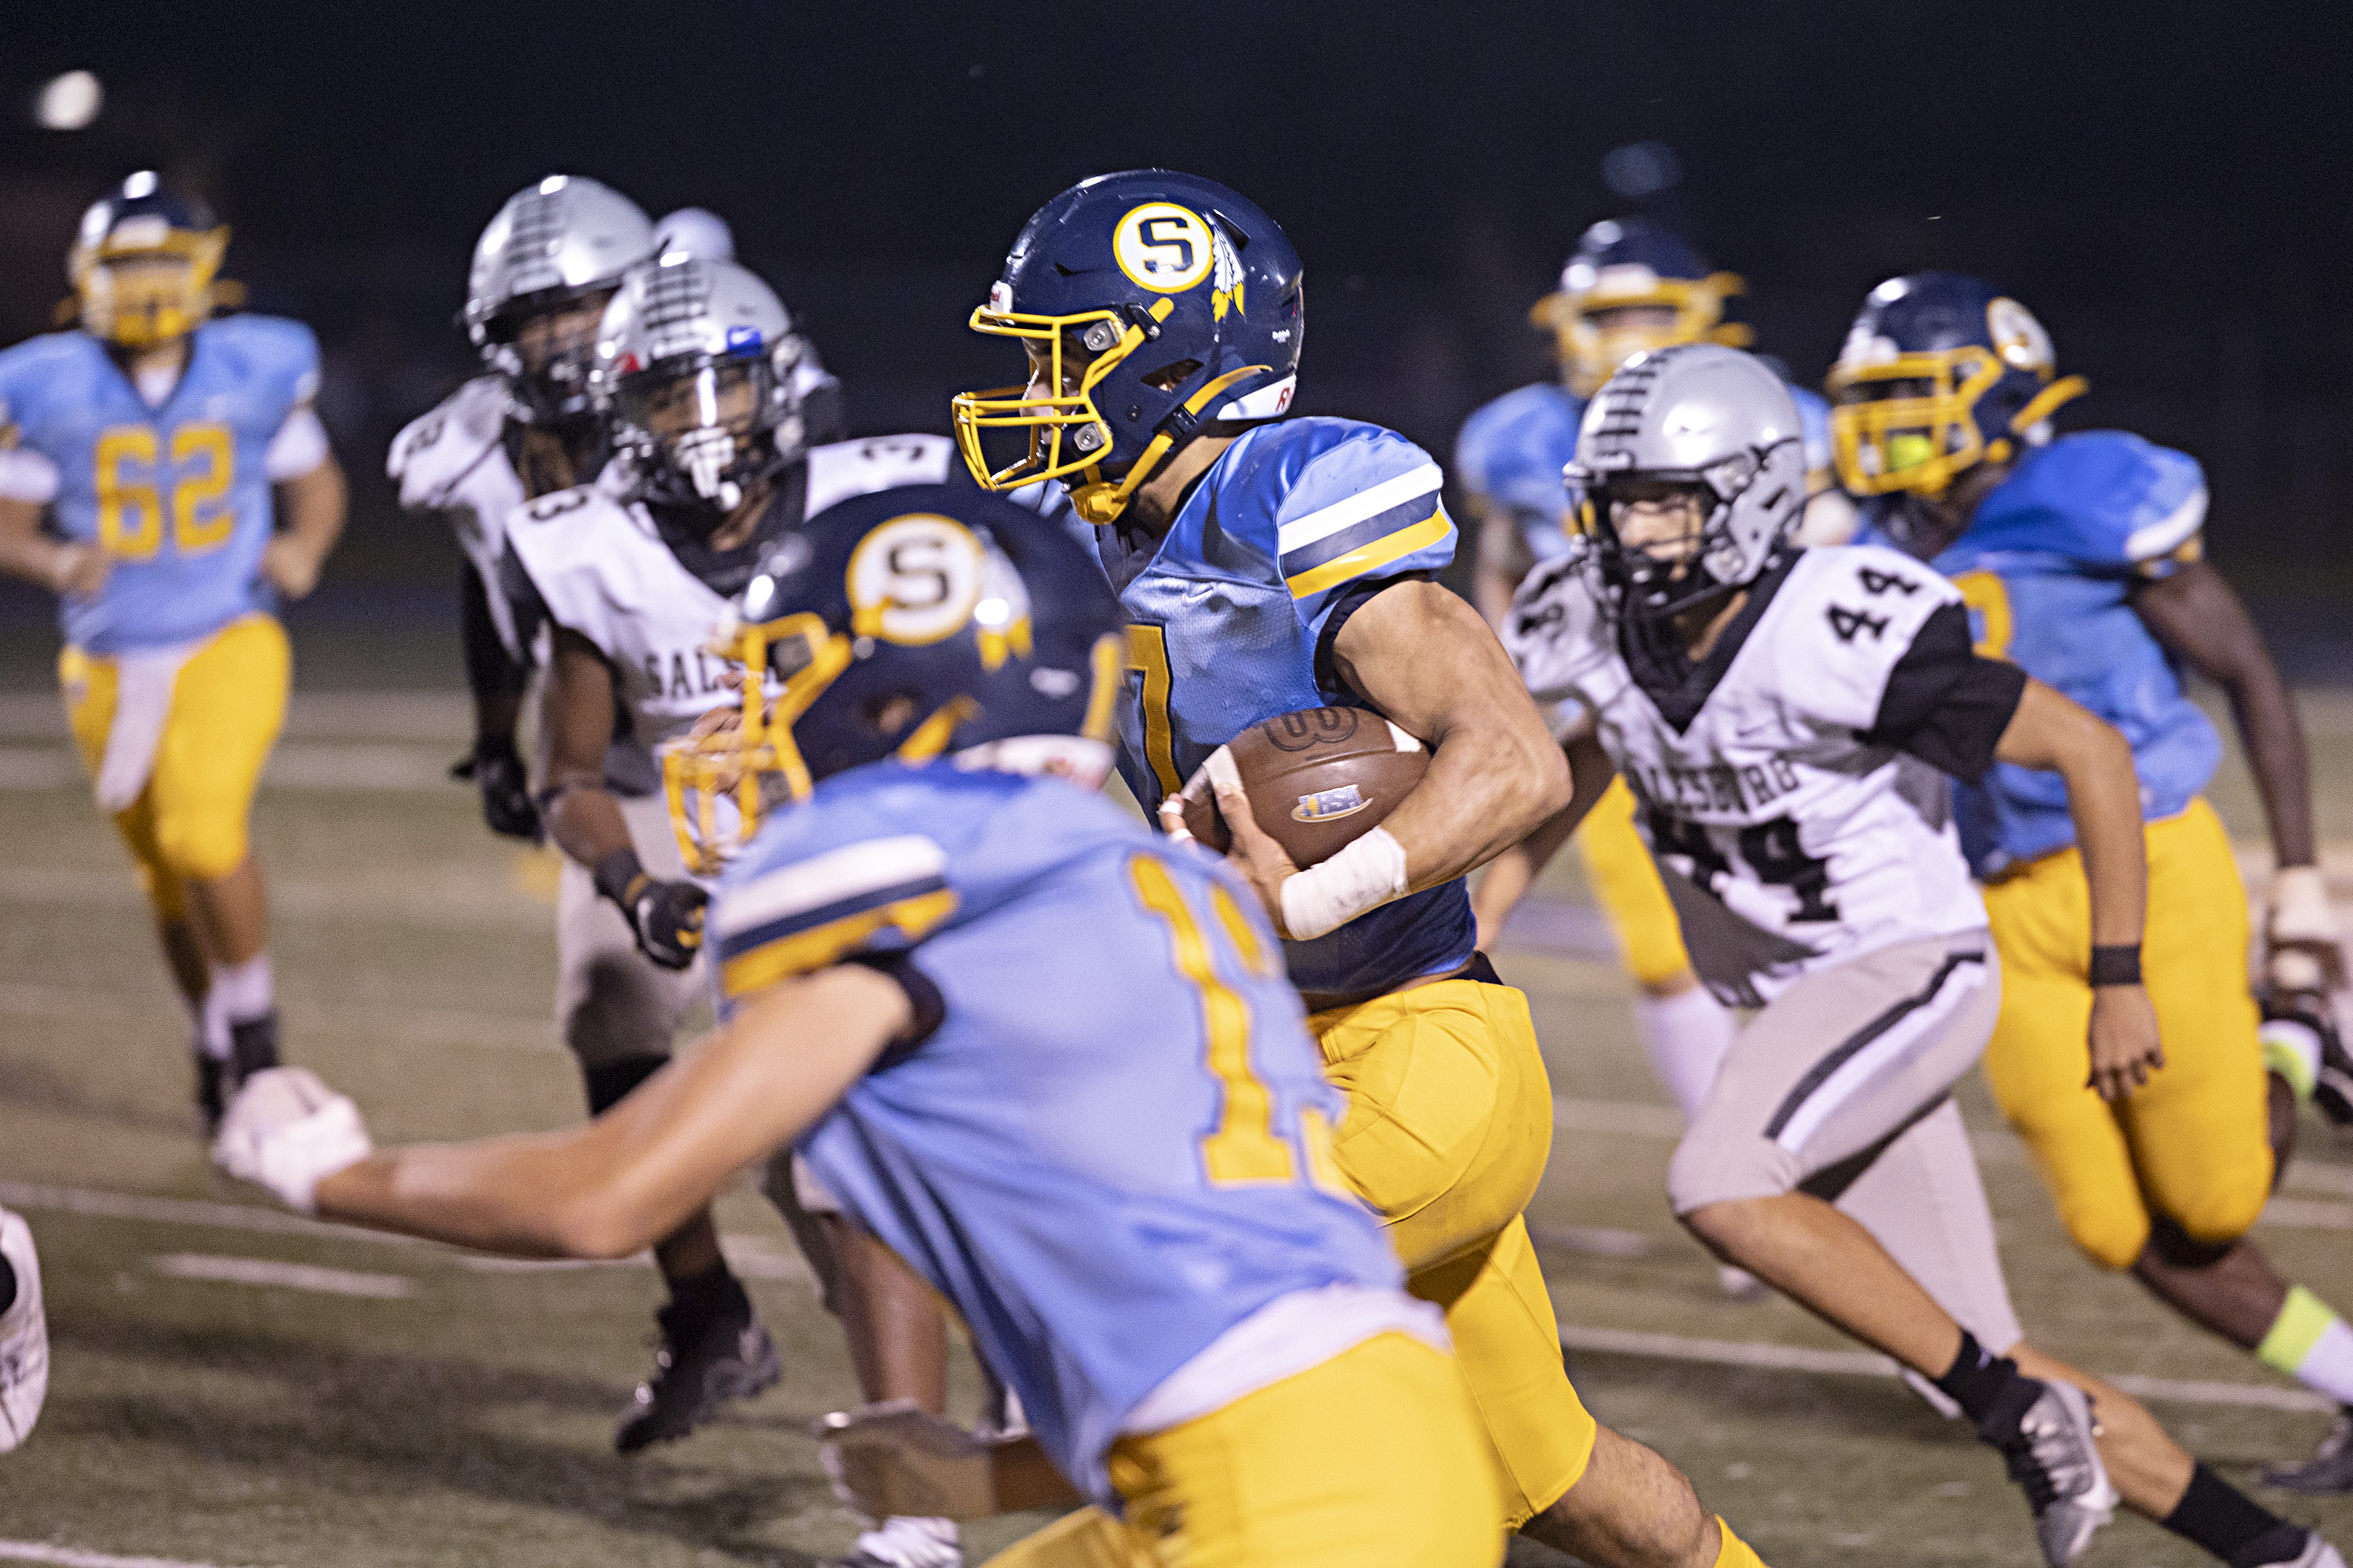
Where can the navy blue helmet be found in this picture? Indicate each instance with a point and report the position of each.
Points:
(1940, 373)
(909, 624)
(1616, 291)
(1155, 307)
(144, 264)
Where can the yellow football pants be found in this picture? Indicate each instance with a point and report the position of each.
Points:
(1372, 1459)
(1448, 1126)
(2193, 1143)
(1625, 879)
(227, 705)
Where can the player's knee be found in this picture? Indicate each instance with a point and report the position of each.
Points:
(2222, 1211)
(200, 846)
(1709, 1173)
(166, 894)
(2110, 1234)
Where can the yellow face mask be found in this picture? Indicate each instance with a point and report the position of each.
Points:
(1593, 339)
(139, 290)
(739, 763)
(1910, 423)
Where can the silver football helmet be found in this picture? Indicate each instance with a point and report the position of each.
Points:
(561, 242)
(695, 370)
(696, 231)
(1703, 417)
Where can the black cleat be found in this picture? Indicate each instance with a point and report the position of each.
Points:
(253, 1046)
(2330, 1468)
(725, 1356)
(212, 1095)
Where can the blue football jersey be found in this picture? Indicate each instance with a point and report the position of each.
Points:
(178, 495)
(1227, 615)
(1511, 451)
(1116, 1145)
(2047, 567)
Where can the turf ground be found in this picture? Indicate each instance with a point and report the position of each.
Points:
(232, 1386)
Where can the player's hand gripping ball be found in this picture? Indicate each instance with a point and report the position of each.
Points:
(288, 1132)
(1316, 779)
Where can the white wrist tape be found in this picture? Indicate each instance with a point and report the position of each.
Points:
(2300, 911)
(1366, 875)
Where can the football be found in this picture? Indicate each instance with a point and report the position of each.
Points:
(1317, 778)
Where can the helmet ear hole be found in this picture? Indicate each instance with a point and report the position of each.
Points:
(1170, 377)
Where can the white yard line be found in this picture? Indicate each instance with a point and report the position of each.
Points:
(266, 1271)
(1863, 1364)
(73, 1557)
(404, 1025)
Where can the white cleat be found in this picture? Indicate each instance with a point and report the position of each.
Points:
(2048, 1446)
(23, 1337)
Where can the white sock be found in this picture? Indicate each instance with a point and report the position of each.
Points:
(909, 1543)
(1687, 1036)
(2311, 1343)
(238, 994)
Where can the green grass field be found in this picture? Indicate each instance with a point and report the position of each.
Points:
(382, 1403)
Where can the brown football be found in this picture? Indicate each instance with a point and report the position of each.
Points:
(1316, 779)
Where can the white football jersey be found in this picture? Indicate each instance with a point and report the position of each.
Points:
(600, 564)
(453, 461)
(1787, 841)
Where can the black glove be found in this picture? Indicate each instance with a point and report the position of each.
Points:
(497, 769)
(665, 917)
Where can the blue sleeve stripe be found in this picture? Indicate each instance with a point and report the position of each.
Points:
(1394, 494)
(736, 943)
(1356, 535)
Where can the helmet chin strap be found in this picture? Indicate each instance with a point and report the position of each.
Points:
(1099, 501)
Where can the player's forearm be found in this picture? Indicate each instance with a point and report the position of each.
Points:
(2049, 732)
(584, 817)
(530, 1195)
(1485, 790)
(25, 552)
(313, 507)
(2273, 734)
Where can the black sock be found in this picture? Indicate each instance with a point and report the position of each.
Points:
(713, 1293)
(2234, 1527)
(7, 1286)
(609, 1083)
(1976, 1379)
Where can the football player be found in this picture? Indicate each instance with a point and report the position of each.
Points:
(147, 460)
(1150, 1243)
(695, 366)
(1630, 286)
(2081, 560)
(1783, 714)
(1266, 566)
(24, 1333)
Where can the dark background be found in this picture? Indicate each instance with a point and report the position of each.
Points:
(2165, 185)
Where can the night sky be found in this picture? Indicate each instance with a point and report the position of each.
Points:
(2166, 185)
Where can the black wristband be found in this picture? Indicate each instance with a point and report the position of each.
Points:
(2115, 965)
(620, 877)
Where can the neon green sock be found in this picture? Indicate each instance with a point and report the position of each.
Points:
(2312, 1344)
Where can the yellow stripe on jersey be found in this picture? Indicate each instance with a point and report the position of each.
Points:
(1378, 553)
(818, 946)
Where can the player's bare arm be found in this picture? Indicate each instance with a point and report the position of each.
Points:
(1424, 658)
(59, 565)
(1511, 874)
(2199, 618)
(1502, 558)
(2051, 733)
(632, 1176)
(312, 506)
(577, 715)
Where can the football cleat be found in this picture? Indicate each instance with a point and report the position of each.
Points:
(725, 1356)
(23, 1337)
(2044, 1431)
(2330, 1468)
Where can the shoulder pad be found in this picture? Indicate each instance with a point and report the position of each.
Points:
(1557, 633)
(1843, 618)
(1345, 500)
(442, 443)
(2102, 499)
(272, 346)
(847, 469)
(802, 905)
(36, 356)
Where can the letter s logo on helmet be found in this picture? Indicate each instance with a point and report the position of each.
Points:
(1132, 356)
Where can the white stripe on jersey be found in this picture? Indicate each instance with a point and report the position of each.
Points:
(2152, 540)
(1321, 524)
(828, 879)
